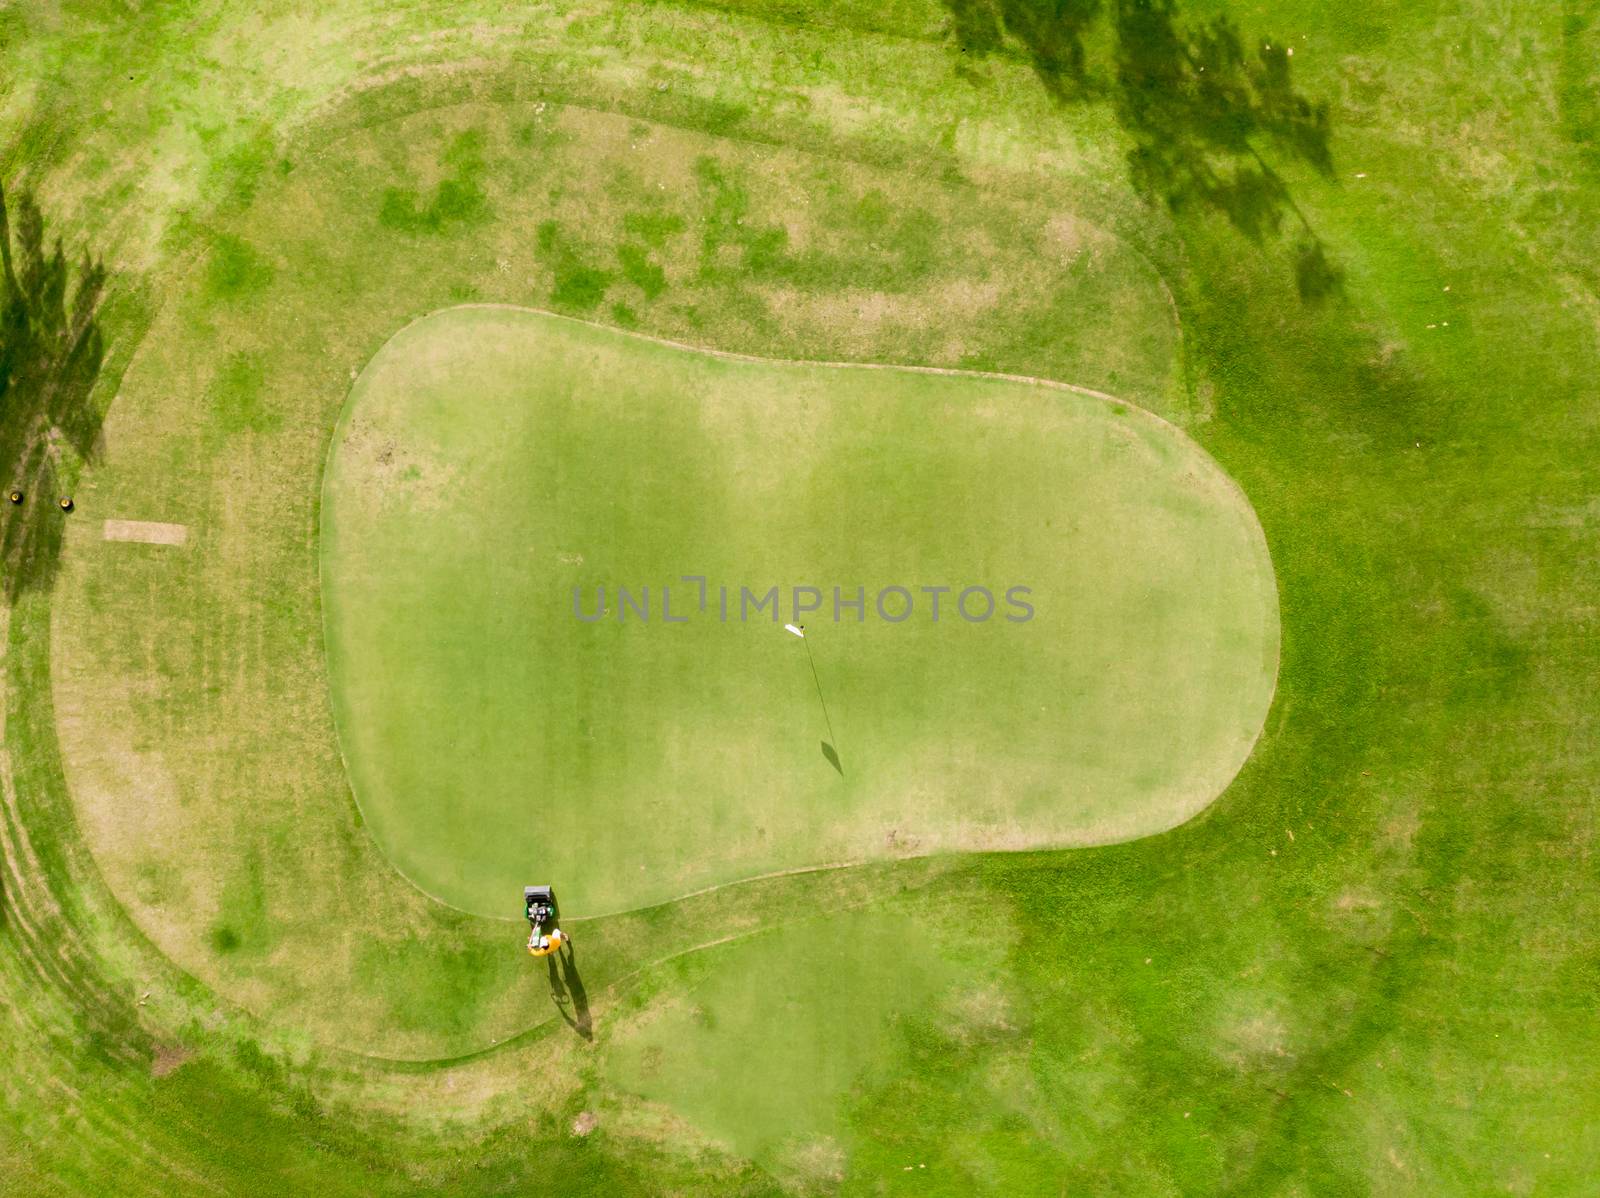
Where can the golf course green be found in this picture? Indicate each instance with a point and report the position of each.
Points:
(1098, 668)
(399, 365)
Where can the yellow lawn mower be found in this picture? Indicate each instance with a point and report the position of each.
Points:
(545, 936)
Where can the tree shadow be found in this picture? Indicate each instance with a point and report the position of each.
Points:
(1051, 35)
(51, 351)
(567, 990)
(1205, 116)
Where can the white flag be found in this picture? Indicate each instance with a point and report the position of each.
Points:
(796, 631)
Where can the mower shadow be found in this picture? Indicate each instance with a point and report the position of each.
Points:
(566, 989)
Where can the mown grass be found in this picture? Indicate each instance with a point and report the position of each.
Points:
(278, 790)
(1394, 1000)
(488, 731)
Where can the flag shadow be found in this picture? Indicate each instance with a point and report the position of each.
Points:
(832, 755)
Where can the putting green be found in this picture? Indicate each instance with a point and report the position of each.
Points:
(494, 468)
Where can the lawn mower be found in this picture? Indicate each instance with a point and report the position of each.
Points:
(539, 904)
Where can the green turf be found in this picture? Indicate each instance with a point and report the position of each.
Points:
(1367, 968)
(841, 993)
(499, 474)
(222, 660)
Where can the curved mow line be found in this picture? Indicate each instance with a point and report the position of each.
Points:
(346, 410)
(750, 880)
(516, 1039)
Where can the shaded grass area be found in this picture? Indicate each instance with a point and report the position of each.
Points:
(1198, 108)
(51, 351)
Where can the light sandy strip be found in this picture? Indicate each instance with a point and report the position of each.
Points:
(146, 532)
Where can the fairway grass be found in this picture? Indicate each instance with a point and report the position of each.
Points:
(1367, 967)
(500, 473)
(190, 683)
